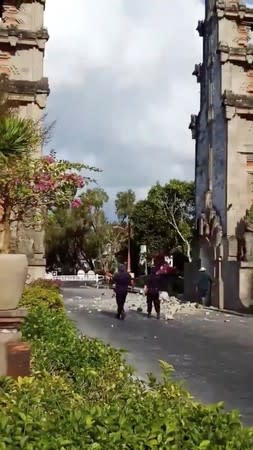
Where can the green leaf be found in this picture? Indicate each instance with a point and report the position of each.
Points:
(204, 445)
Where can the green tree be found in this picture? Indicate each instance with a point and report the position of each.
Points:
(176, 201)
(124, 204)
(165, 220)
(78, 234)
(150, 228)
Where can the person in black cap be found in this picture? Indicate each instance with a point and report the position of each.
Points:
(151, 289)
(122, 279)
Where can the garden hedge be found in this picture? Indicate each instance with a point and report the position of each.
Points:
(82, 396)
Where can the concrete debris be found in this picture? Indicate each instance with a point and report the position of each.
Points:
(170, 305)
(168, 317)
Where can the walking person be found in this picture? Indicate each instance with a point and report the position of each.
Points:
(122, 279)
(204, 287)
(151, 290)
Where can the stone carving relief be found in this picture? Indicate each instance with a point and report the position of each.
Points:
(5, 63)
(194, 125)
(244, 35)
(30, 242)
(209, 223)
(250, 81)
(244, 235)
(197, 72)
(11, 16)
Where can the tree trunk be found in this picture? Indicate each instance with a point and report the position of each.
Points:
(5, 237)
(129, 246)
(188, 251)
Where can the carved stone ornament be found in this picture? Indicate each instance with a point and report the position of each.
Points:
(201, 28)
(209, 223)
(194, 125)
(197, 72)
(249, 220)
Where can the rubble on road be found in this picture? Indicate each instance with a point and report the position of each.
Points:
(170, 305)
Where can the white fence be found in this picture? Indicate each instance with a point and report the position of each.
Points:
(86, 278)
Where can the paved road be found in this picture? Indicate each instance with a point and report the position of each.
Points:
(212, 352)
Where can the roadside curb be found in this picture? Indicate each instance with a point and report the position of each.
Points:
(227, 311)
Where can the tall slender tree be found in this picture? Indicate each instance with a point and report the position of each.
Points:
(124, 205)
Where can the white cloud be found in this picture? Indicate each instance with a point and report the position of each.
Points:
(122, 89)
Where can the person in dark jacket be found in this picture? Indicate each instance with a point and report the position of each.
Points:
(151, 290)
(122, 279)
(204, 287)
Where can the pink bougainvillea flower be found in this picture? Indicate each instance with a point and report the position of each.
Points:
(49, 159)
(76, 203)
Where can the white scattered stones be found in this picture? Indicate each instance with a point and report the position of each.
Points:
(170, 306)
(164, 297)
(168, 317)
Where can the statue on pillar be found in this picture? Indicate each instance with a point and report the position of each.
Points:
(209, 223)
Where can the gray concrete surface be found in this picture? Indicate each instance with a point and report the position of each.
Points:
(212, 352)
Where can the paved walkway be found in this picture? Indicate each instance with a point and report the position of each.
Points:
(212, 352)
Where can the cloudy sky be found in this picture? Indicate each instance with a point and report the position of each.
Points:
(121, 87)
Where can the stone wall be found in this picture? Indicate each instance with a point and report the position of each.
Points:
(218, 133)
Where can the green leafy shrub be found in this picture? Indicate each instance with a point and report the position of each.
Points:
(87, 363)
(46, 284)
(45, 413)
(82, 396)
(34, 296)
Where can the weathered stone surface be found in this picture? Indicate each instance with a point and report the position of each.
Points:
(224, 135)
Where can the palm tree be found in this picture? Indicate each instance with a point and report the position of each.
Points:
(18, 135)
(124, 204)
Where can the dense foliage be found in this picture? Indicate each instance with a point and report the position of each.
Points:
(37, 295)
(82, 396)
(165, 219)
(83, 234)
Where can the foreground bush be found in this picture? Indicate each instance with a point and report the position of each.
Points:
(35, 296)
(82, 396)
(87, 363)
